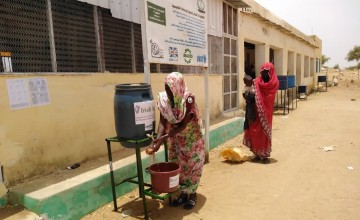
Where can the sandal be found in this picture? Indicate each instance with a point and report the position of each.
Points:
(256, 159)
(265, 160)
(191, 201)
(183, 198)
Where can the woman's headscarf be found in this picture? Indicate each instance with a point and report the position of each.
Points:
(177, 85)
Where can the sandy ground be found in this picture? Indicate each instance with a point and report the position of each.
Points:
(301, 182)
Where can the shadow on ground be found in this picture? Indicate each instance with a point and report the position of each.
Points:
(158, 209)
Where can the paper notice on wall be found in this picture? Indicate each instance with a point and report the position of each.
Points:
(173, 181)
(145, 114)
(25, 92)
(38, 89)
(18, 93)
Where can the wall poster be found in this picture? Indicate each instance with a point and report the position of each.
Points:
(176, 32)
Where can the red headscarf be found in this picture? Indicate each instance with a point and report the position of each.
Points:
(258, 136)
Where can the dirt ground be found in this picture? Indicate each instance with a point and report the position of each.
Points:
(302, 181)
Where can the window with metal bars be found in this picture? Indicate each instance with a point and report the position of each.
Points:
(24, 33)
(63, 36)
(230, 59)
(74, 35)
(215, 54)
(116, 43)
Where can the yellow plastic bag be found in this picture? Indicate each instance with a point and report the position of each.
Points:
(234, 154)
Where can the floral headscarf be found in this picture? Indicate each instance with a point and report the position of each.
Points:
(177, 85)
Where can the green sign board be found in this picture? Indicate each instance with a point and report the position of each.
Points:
(156, 14)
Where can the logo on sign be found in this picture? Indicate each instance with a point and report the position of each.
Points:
(155, 50)
(187, 55)
(173, 54)
(141, 109)
(201, 59)
(201, 6)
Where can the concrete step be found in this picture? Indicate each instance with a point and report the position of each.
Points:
(72, 194)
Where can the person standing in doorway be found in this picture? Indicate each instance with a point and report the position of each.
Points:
(259, 133)
(180, 125)
(252, 71)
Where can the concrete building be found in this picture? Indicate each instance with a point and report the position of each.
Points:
(265, 37)
(82, 49)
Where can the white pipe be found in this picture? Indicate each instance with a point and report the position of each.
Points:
(207, 114)
(144, 42)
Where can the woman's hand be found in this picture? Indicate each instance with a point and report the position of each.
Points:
(152, 149)
(160, 139)
(157, 143)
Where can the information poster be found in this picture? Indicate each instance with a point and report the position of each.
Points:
(176, 32)
(39, 91)
(18, 93)
(27, 92)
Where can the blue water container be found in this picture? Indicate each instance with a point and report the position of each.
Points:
(291, 81)
(283, 82)
(134, 111)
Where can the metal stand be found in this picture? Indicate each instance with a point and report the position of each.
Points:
(322, 79)
(292, 97)
(282, 105)
(301, 90)
(140, 181)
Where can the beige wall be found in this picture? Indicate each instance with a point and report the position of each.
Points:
(72, 128)
(265, 36)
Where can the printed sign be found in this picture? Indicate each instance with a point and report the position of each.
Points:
(38, 91)
(176, 32)
(145, 114)
(156, 14)
(18, 93)
(174, 181)
(24, 93)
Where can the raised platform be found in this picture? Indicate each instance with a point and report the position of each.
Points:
(79, 195)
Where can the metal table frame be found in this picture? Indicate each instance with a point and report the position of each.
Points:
(292, 97)
(282, 105)
(321, 79)
(139, 175)
(301, 89)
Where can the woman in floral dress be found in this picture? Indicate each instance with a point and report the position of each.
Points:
(180, 125)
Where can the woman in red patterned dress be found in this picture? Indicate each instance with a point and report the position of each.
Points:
(180, 125)
(258, 136)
